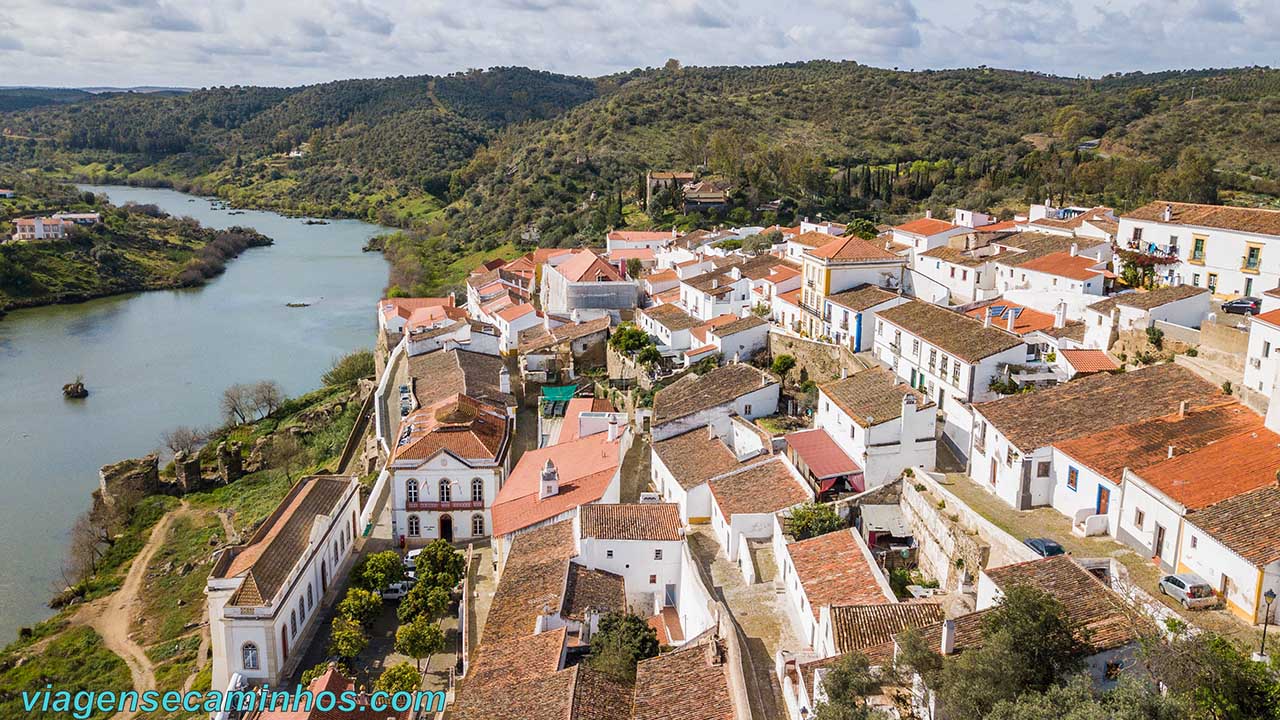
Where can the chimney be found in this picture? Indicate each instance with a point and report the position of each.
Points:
(1167, 213)
(1060, 314)
(613, 427)
(1170, 451)
(908, 412)
(715, 282)
(1075, 249)
(1182, 408)
(1012, 316)
(504, 381)
(674, 234)
(576, 317)
(550, 481)
(736, 358)
(986, 317)
(928, 214)
(948, 637)
(844, 373)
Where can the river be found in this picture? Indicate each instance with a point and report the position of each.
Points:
(155, 360)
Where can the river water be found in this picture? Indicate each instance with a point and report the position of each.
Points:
(155, 360)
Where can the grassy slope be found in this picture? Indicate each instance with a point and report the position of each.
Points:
(72, 660)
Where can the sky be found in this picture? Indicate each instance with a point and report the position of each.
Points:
(82, 43)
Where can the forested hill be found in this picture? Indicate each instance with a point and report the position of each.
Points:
(478, 159)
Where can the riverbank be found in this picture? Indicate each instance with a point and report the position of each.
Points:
(133, 248)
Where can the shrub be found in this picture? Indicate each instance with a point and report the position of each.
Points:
(360, 605)
(399, 678)
(621, 641)
(350, 368)
(813, 519)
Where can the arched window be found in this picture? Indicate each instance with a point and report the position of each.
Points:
(411, 491)
(302, 608)
(445, 493)
(335, 553)
(415, 527)
(477, 524)
(293, 623)
(284, 643)
(310, 596)
(249, 656)
(477, 490)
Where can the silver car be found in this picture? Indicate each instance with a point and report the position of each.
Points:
(1189, 589)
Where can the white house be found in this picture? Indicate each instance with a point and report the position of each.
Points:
(968, 277)
(583, 281)
(683, 464)
(1184, 305)
(1011, 453)
(694, 401)
(949, 357)
(926, 233)
(849, 315)
(1234, 544)
(741, 338)
(884, 425)
(643, 543)
(824, 571)
(617, 240)
(1088, 471)
(1158, 497)
(40, 228)
(266, 595)
(449, 461)
(511, 321)
(669, 324)
(1222, 248)
(395, 313)
(744, 501)
(843, 264)
(1260, 366)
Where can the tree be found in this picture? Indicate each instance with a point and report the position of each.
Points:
(621, 641)
(237, 403)
(361, 605)
(634, 267)
(1047, 645)
(287, 453)
(762, 242)
(322, 668)
(377, 571)
(183, 438)
(419, 639)
(425, 600)
(847, 685)
(1192, 179)
(782, 365)
(1215, 677)
(347, 639)
(439, 557)
(649, 356)
(399, 678)
(349, 368)
(266, 396)
(629, 339)
(1130, 699)
(813, 519)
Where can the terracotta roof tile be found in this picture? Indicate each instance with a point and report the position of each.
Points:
(765, 487)
(1224, 217)
(671, 316)
(695, 457)
(1102, 615)
(872, 396)
(862, 297)
(1248, 524)
(1026, 320)
(691, 683)
(1148, 299)
(925, 226)
(586, 266)
(532, 578)
(1140, 444)
(1088, 361)
(585, 467)
(1094, 403)
(467, 428)
(833, 570)
(851, 248)
(821, 454)
(1064, 264)
(855, 627)
(695, 393)
(738, 325)
(445, 374)
(952, 332)
(631, 521)
(586, 589)
(1219, 470)
(539, 338)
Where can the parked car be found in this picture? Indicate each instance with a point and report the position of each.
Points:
(1243, 306)
(1189, 589)
(1044, 547)
(397, 590)
(411, 558)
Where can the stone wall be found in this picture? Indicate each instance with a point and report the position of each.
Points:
(949, 547)
(819, 361)
(1223, 344)
(129, 480)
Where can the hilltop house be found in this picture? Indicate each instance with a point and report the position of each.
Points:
(586, 283)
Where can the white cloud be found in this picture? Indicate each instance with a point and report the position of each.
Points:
(128, 42)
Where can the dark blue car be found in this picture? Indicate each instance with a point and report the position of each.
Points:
(1044, 547)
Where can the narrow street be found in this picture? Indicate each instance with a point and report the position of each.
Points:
(759, 609)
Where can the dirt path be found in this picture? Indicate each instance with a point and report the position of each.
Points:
(112, 616)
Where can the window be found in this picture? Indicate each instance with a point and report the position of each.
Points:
(653, 579)
(302, 607)
(249, 656)
(284, 643)
(608, 554)
(1253, 257)
(293, 623)
(748, 409)
(1197, 249)
(1193, 541)
(477, 524)
(1213, 282)
(915, 346)
(953, 272)
(411, 490)
(335, 553)
(1073, 478)
(1266, 348)
(1139, 518)
(1137, 234)
(933, 355)
(446, 493)
(477, 490)
(657, 554)
(415, 526)
(1042, 468)
(310, 597)
(1195, 279)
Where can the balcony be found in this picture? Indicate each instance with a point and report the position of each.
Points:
(444, 506)
(1250, 265)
